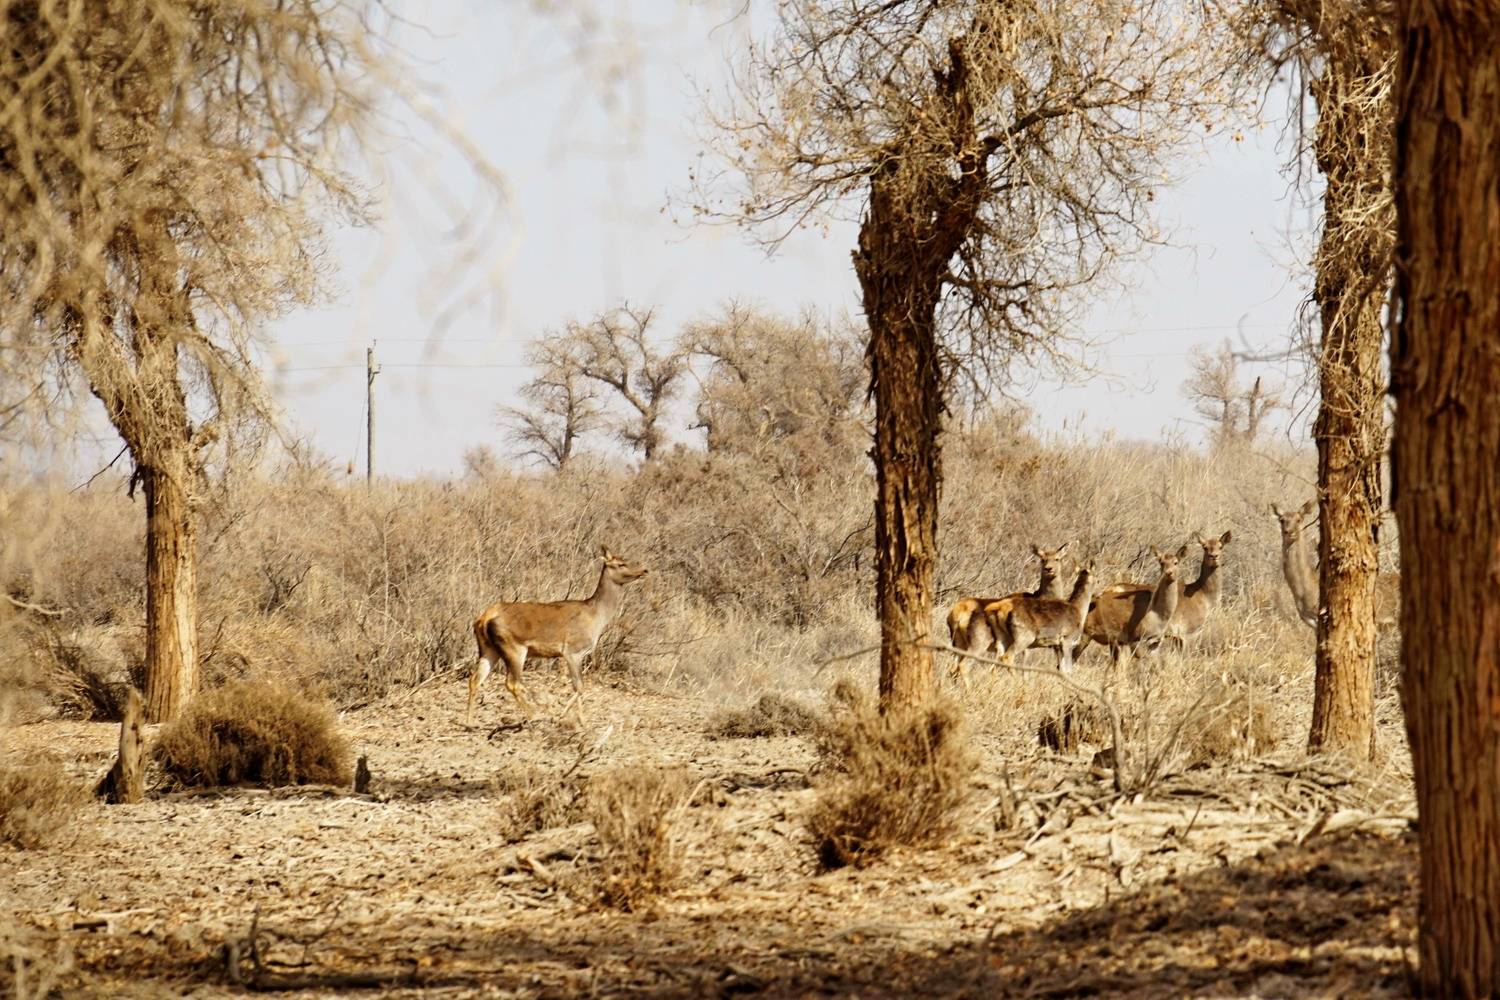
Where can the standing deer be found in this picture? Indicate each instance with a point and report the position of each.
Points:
(1296, 561)
(1128, 615)
(1199, 598)
(967, 628)
(1022, 622)
(510, 632)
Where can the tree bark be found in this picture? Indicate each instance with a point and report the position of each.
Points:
(171, 590)
(125, 781)
(1352, 146)
(900, 295)
(1446, 381)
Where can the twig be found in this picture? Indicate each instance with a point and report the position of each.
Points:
(35, 609)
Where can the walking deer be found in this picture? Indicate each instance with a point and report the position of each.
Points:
(967, 628)
(1128, 615)
(1022, 622)
(1296, 561)
(1199, 598)
(509, 632)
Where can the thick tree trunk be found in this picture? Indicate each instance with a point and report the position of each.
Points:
(1446, 381)
(171, 592)
(1353, 275)
(900, 296)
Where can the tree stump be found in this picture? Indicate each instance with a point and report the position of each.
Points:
(362, 775)
(125, 781)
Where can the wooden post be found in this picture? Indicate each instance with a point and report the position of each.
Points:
(371, 370)
(125, 782)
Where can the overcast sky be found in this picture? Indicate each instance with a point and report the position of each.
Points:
(587, 223)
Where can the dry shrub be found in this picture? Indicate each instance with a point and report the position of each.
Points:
(29, 968)
(1234, 721)
(1079, 721)
(771, 715)
(255, 732)
(539, 800)
(898, 780)
(39, 804)
(636, 812)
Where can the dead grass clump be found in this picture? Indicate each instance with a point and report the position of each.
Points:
(1077, 722)
(898, 780)
(255, 732)
(39, 804)
(1235, 722)
(636, 812)
(539, 800)
(771, 715)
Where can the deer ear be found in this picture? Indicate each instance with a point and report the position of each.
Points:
(1198, 537)
(1308, 507)
(1036, 551)
(605, 554)
(1275, 511)
(1182, 552)
(1063, 551)
(1155, 552)
(1224, 538)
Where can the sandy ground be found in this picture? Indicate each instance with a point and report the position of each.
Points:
(1268, 879)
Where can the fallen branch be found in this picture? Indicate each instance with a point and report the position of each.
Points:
(35, 609)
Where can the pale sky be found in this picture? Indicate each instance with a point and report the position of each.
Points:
(588, 223)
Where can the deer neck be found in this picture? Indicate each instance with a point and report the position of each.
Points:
(1296, 563)
(607, 594)
(1081, 598)
(1164, 599)
(1050, 585)
(1206, 587)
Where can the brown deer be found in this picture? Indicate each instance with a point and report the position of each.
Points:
(1199, 598)
(1128, 615)
(1023, 622)
(967, 628)
(1296, 561)
(509, 632)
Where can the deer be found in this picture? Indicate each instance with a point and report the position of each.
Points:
(1129, 615)
(509, 632)
(1197, 600)
(1022, 622)
(967, 628)
(1296, 561)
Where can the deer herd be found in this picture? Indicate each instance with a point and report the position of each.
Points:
(1127, 617)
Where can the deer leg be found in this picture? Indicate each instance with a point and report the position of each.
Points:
(574, 662)
(514, 661)
(477, 676)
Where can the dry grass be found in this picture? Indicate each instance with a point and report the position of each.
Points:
(538, 799)
(255, 732)
(897, 780)
(637, 814)
(771, 715)
(39, 804)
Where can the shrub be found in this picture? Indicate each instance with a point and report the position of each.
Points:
(38, 804)
(254, 732)
(901, 779)
(772, 715)
(539, 800)
(636, 813)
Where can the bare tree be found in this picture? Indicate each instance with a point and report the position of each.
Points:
(1344, 51)
(1446, 382)
(166, 170)
(1236, 413)
(615, 350)
(564, 403)
(772, 378)
(999, 157)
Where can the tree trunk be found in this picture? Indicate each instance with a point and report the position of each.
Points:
(171, 590)
(900, 297)
(1446, 381)
(125, 782)
(1352, 146)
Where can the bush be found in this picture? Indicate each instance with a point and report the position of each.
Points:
(539, 800)
(901, 779)
(38, 804)
(636, 813)
(772, 715)
(254, 732)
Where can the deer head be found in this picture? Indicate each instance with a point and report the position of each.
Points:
(619, 570)
(1212, 547)
(1292, 521)
(1169, 561)
(1051, 559)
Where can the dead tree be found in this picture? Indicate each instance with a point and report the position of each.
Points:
(167, 170)
(1445, 376)
(1236, 413)
(1344, 51)
(563, 403)
(999, 156)
(616, 351)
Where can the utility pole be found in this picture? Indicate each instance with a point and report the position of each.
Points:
(371, 370)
